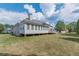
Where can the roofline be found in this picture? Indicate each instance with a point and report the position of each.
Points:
(30, 22)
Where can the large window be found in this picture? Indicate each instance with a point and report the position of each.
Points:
(35, 27)
(41, 27)
(47, 28)
(44, 28)
(32, 27)
(21, 27)
(28, 27)
(38, 27)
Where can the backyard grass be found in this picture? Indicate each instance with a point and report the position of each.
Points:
(44, 45)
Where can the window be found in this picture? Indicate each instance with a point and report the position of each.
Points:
(21, 27)
(28, 26)
(41, 27)
(35, 27)
(44, 27)
(47, 28)
(32, 27)
(38, 27)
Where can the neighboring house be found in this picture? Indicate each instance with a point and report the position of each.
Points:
(65, 31)
(7, 30)
(28, 26)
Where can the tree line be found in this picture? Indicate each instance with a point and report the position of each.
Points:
(70, 27)
(60, 26)
(4, 27)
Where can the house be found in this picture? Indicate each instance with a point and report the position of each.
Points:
(28, 26)
(7, 30)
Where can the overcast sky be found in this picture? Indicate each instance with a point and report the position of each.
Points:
(47, 12)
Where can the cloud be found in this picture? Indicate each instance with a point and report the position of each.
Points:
(69, 12)
(48, 9)
(66, 14)
(10, 17)
(38, 16)
(35, 15)
(29, 8)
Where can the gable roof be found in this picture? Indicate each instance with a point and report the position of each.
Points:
(34, 22)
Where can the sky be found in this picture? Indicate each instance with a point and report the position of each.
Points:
(12, 13)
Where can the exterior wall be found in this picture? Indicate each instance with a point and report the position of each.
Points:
(15, 30)
(22, 29)
(25, 29)
(36, 32)
(30, 31)
(18, 29)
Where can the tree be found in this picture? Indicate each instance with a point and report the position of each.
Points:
(1, 28)
(60, 26)
(77, 27)
(8, 26)
(71, 27)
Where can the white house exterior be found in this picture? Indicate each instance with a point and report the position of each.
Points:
(27, 26)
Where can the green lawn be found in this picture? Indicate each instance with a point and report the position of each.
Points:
(50, 44)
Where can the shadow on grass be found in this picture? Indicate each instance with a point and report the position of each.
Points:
(71, 39)
(7, 54)
(71, 34)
